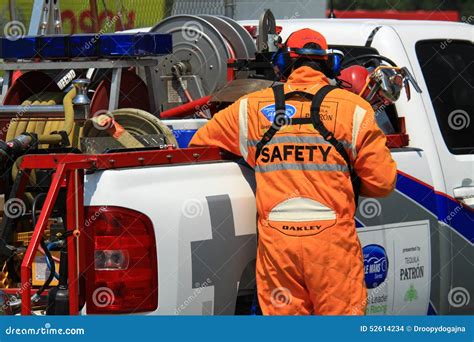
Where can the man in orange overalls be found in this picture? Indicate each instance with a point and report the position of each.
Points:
(313, 147)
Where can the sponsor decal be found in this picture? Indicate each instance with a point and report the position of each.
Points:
(411, 294)
(395, 296)
(377, 300)
(409, 273)
(375, 265)
(412, 268)
(269, 111)
(301, 228)
(412, 259)
(66, 79)
(411, 249)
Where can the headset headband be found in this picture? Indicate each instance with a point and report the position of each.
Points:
(315, 52)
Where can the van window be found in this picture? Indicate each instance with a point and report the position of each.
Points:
(448, 69)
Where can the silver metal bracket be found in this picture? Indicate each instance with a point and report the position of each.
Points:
(45, 18)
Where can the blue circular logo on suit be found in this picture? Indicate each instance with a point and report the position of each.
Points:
(375, 265)
(269, 111)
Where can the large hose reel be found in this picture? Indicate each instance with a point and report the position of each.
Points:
(202, 47)
(127, 128)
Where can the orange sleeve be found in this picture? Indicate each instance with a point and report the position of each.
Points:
(374, 164)
(221, 131)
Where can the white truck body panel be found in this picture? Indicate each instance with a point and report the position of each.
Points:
(176, 204)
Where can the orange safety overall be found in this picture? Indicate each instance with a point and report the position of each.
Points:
(309, 258)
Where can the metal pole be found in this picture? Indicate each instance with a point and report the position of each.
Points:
(12, 10)
(55, 22)
(331, 15)
(38, 13)
(229, 8)
(74, 208)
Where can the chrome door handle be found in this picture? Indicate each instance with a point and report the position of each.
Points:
(465, 195)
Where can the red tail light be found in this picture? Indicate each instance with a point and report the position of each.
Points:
(121, 263)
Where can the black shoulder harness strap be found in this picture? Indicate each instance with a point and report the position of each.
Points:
(315, 119)
(280, 115)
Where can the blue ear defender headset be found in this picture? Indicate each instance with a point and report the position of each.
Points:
(335, 58)
(283, 62)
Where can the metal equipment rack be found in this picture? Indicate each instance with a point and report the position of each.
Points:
(117, 66)
(69, 175)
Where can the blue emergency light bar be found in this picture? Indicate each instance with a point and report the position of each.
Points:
(83, 45)
(24, 48)
(52, 47)
(140, 44)
(86, 46)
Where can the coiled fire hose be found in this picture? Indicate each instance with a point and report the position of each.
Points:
(49, 99)
(125, 123)
(51, 138)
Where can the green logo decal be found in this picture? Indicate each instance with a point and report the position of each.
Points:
(411, 294)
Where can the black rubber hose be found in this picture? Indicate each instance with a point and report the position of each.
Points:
(367, 57)
(47, 253)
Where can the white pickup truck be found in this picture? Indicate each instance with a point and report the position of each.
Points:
(195, 223)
